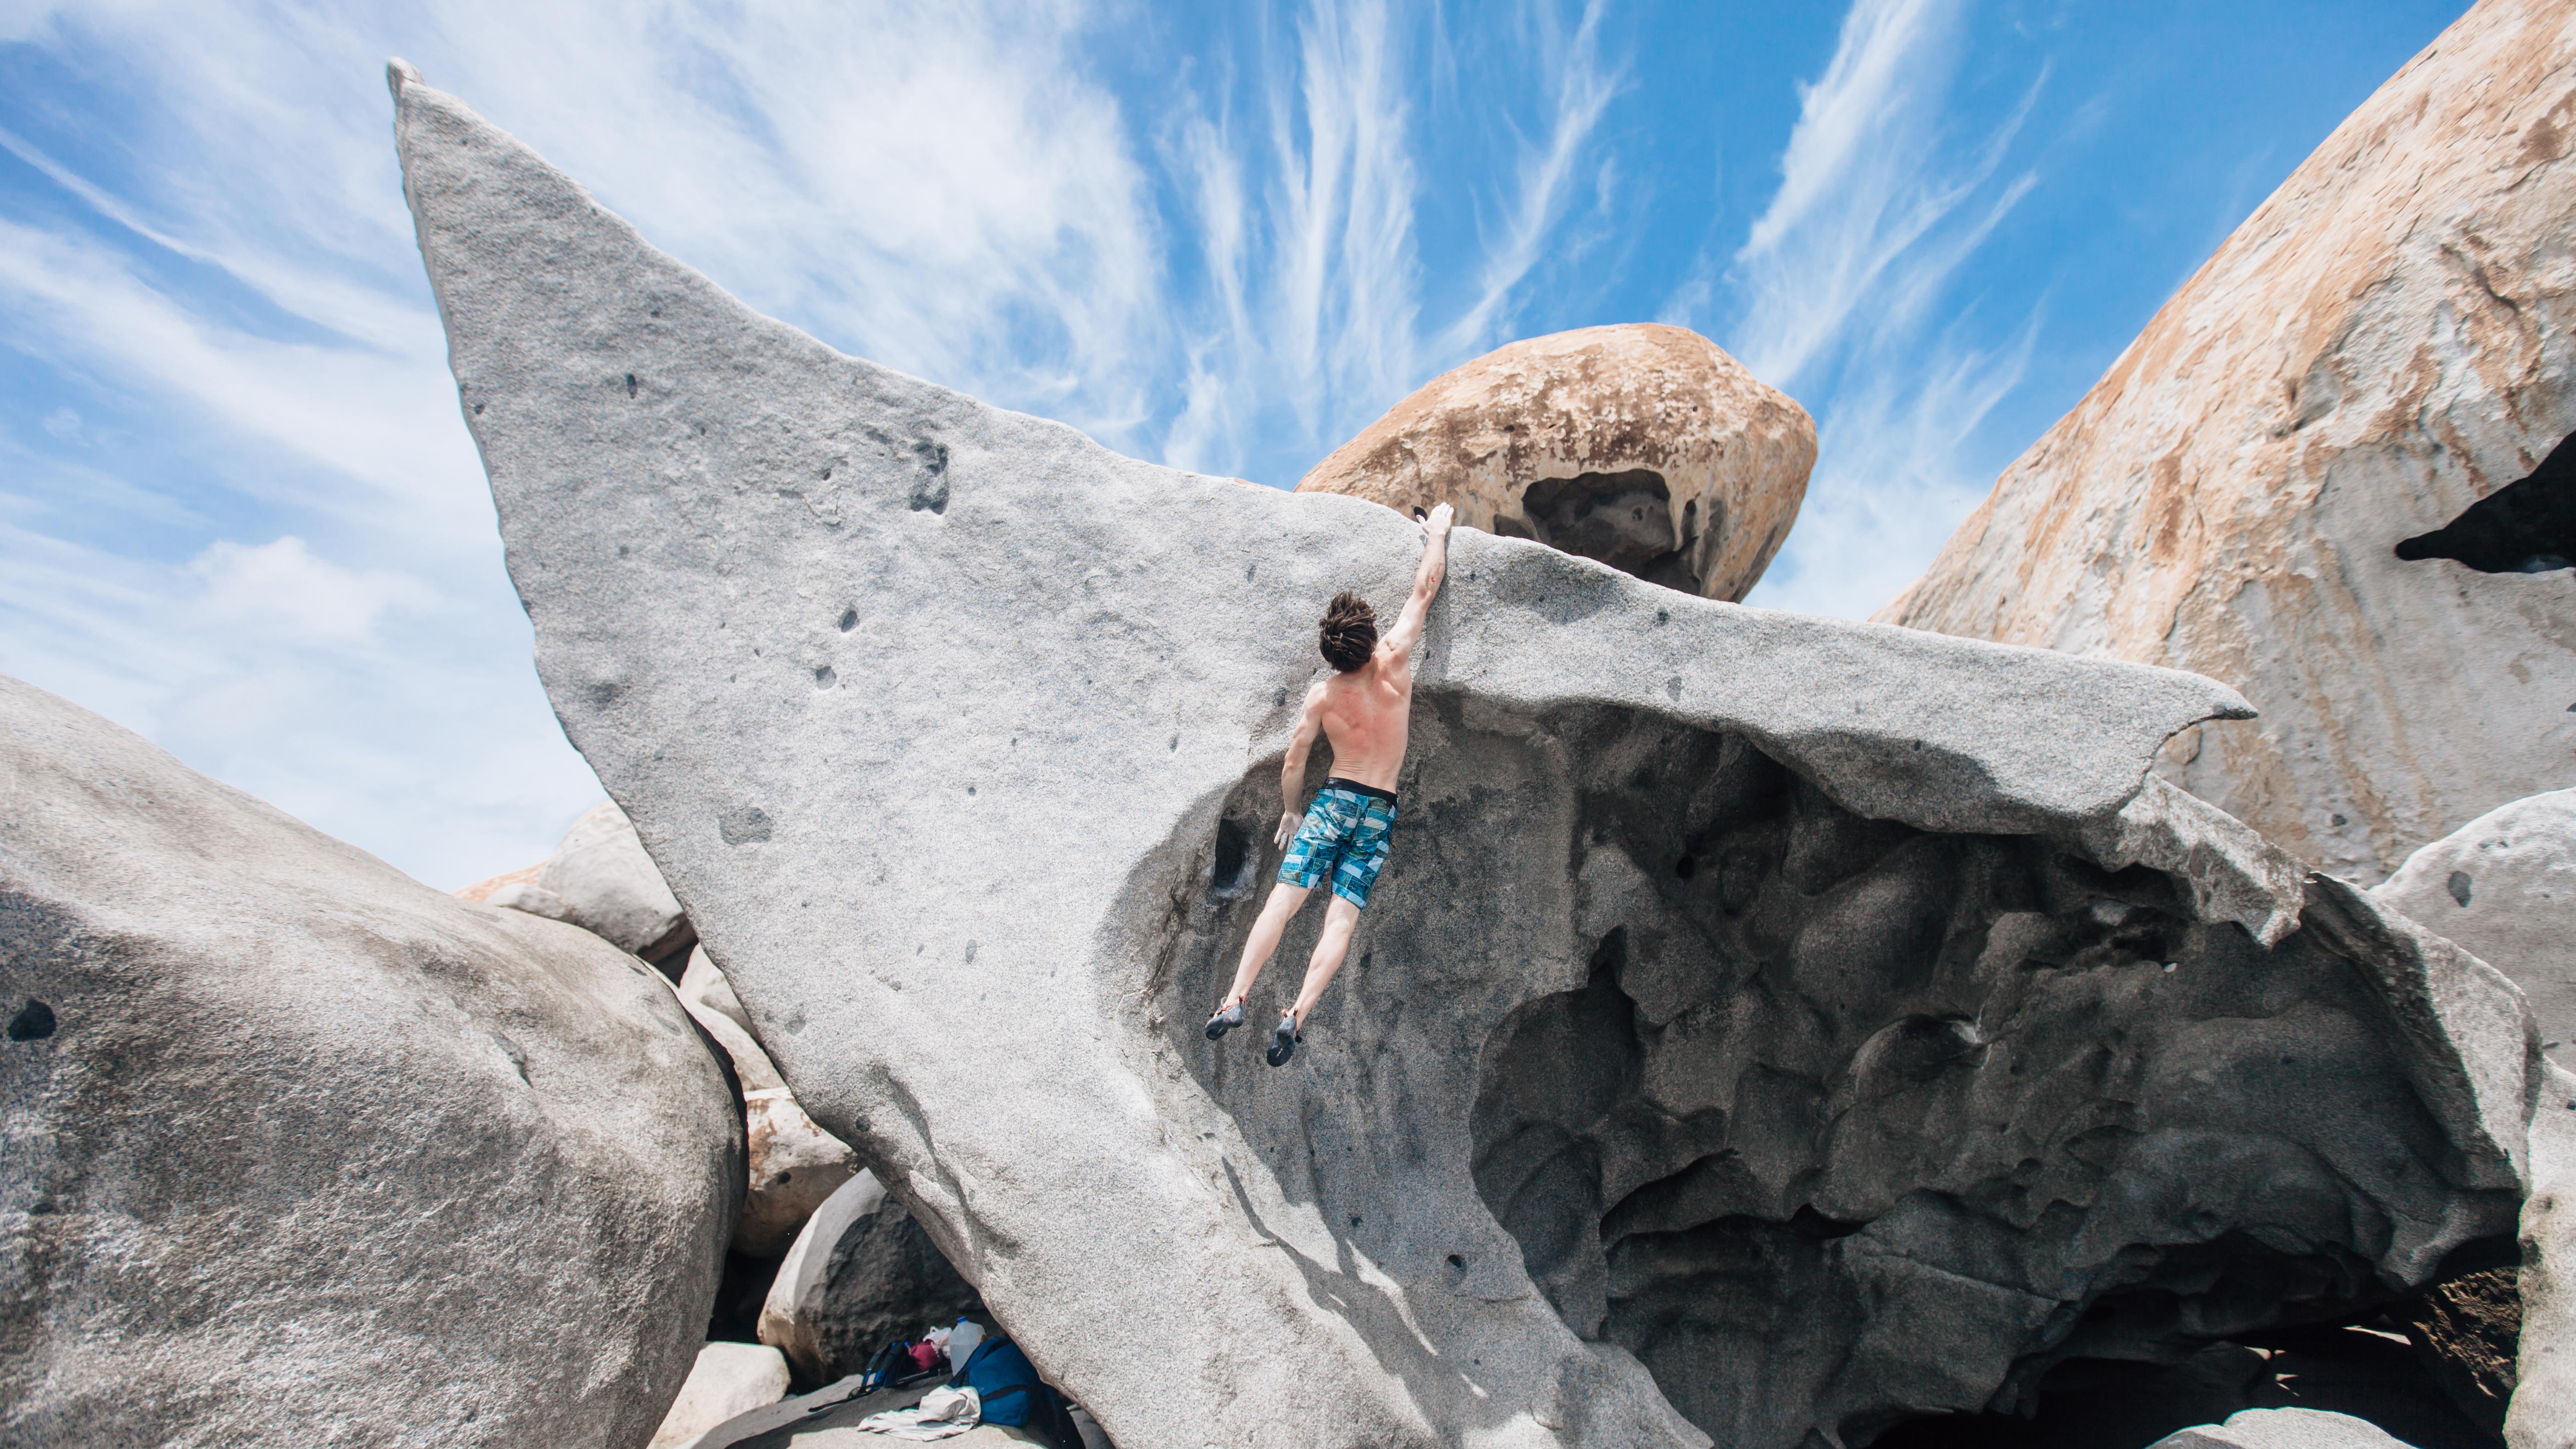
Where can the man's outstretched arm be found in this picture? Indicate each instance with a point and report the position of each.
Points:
(1426, 584)
(1292, 770)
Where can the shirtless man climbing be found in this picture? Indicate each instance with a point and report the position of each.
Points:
(1365, 708)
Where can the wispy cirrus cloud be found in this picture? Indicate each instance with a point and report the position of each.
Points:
(1551, 167)
(1316, 316)
(1881, 205)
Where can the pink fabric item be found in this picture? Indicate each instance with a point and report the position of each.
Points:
(923, 1354)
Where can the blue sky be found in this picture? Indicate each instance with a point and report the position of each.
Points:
(239, 514)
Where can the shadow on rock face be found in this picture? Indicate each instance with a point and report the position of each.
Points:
(2095, 1404)
(2526, 527)
(1823, 1120)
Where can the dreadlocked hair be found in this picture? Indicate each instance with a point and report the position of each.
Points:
(1348, 632)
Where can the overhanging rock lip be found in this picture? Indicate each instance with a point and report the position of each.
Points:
(2026, 739)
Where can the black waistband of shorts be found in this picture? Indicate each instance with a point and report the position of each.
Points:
(1336, 782)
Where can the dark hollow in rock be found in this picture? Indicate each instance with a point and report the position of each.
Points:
(739, 1293)
(31, 1022)
(2101, 1404)
(1235, 867)
(1849, 1119)
(887, 1280)
(2526, 527)
(1622, 519)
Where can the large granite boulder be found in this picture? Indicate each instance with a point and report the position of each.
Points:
(298, 1148)
(1768, 1027)
(861, 1272)
(2504, 886)
(2385, 342)
(600, 879)
(1642, 445)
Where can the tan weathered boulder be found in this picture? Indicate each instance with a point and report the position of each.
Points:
(600, 879)
(1641, 445)
(728, 1379)
(794, 1163)
(2388, 339)
(481, 891)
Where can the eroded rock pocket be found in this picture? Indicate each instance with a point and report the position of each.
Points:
(2526, 527)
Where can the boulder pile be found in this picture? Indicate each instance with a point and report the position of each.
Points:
(293, 1140)
(795, 1165)
(1769, 1029)
(821, 1264)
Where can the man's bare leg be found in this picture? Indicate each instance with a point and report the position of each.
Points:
(1282, 907)
(1341, 918)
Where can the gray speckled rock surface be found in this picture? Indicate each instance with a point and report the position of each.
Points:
(2504, 886)
(1767, 1026)
(305, 1144)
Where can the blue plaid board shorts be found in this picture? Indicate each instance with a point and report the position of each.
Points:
(1345, 837)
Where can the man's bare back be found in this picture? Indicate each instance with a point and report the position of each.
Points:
(1366, 716)
(1365, 709)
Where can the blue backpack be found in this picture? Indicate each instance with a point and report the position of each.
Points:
(1012, 1394)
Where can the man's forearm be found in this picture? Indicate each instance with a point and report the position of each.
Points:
(1292, 779)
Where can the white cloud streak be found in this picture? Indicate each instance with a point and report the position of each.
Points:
(1864, 185)
(1547, 174)
(1880, 207)
(1315, 318)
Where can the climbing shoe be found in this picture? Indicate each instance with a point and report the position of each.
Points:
(1283, 1040)
(1225, 1021)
